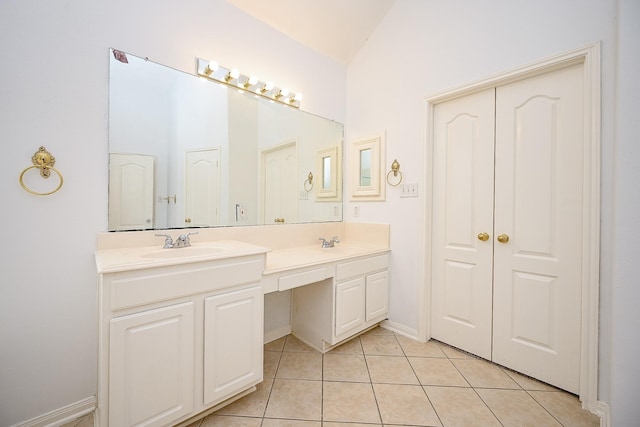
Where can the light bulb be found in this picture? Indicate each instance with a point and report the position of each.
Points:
(298, 97)
(212, 66)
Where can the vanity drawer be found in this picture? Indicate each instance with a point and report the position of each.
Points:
(304, 277)
(139, 287)
(350, 269)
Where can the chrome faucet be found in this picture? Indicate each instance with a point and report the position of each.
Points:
(168, 241)
(329, 244)
(181, 242)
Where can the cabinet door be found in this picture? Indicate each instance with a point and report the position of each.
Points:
(377, 296)
(349, 305)
(151, 366)
(233, 333)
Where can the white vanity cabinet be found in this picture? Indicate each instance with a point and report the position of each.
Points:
(151, 375)
(330, 311)
(362, 294)
(178, 340)
(232, 342)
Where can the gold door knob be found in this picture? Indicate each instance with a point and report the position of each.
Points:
(483, 236)
(503, 238)
(187, 220)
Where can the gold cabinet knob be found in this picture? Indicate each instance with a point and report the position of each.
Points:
(483, 236)
(187, 220)
(503, 238)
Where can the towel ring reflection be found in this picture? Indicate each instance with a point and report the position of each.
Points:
(308, 184)
(395, 169)
(44, 161)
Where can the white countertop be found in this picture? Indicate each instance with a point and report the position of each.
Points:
(305, 256)
(135, 258)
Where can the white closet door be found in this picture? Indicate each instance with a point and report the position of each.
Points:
(538, 192)
(462, 210)
(131, 189)
(202, 188)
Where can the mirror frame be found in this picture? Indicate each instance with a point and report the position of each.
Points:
(332, 192)
(375, 191)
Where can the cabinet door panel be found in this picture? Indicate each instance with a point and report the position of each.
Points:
(349, 305)
(233, 333)
(377, 296)
(152, 370)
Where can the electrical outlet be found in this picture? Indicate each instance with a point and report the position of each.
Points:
(409, 190)
(241, 213)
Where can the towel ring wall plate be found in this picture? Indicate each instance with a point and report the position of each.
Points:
(44, 161)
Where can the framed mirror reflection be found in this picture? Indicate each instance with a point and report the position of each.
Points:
(187, 152)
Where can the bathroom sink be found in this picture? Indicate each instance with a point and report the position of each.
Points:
(191, 251)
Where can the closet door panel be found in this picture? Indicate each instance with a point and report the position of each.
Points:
(463, 208)
(538, 205)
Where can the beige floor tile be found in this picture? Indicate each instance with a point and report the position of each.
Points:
(226, 421)
(391, 370)
(417, 348)
(378, 331)
(352, 346)
(460, 407)
(252, 405)
(293, 344)
(405, 405)
(528, 383)
(300, 366)
(516, 408)
(345, 367)
(275, 345)
(85, 421)
(435, 371)
(383, 345)
(453, 353)
(331, 424)
(270, 363)
(299, 399)
(481, 373)
(566, 408)
(349, 402)
(275, 422)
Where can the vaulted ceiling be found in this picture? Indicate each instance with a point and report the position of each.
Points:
(336, 28)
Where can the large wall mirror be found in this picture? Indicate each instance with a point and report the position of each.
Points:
(187, 152)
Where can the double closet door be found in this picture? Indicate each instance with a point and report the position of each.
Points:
(507, 225)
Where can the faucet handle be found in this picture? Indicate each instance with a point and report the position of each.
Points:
(184, 238)
(168, 240)
(335, 239)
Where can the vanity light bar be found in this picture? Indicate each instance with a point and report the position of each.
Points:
(211, 70)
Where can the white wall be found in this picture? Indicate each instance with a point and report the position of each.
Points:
(54, 92)
(425, 47)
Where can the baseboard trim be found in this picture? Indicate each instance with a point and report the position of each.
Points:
(277, 333)
(62, 415)
(400, 329)
(601, 409)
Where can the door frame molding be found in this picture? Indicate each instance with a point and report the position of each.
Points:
(589, 56)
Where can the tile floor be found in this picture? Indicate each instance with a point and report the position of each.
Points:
(384, 379)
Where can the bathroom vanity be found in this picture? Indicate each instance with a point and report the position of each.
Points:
(181, 331)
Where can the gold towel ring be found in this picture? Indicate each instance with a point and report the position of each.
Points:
(395, 169)
(309, 181)
(44, 161)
